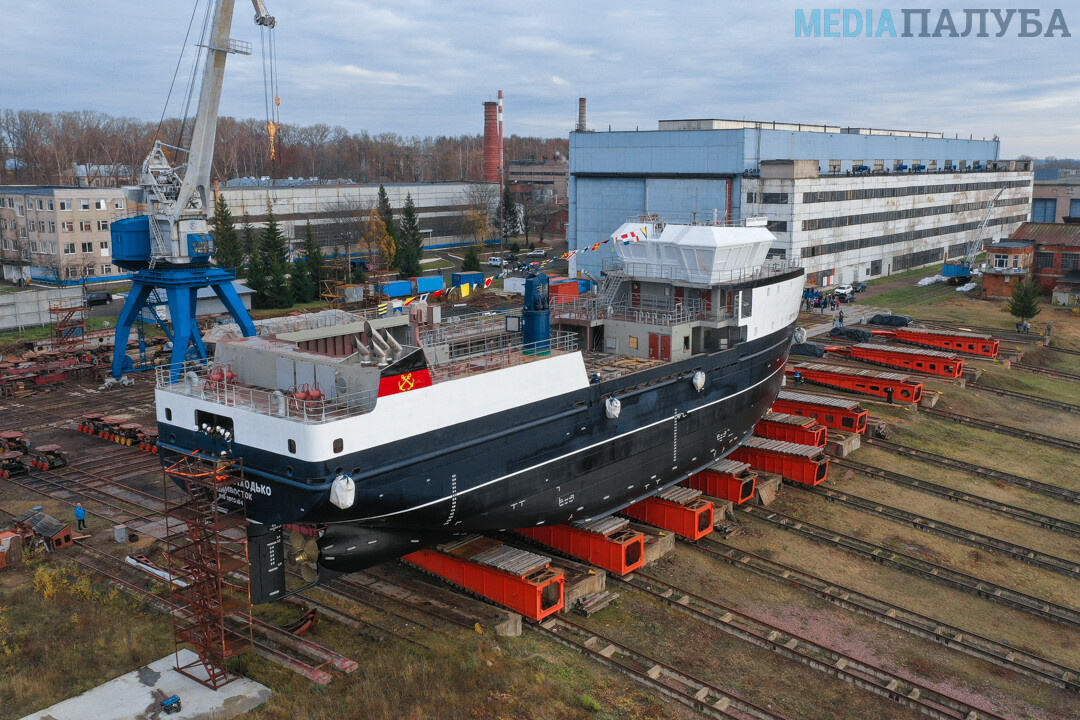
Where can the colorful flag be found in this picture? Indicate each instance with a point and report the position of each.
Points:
(465, 290)
(383, 309)
(423, 298)
(438, 293)
(487, 282)
(409, 301)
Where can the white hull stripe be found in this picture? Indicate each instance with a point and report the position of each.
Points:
(566, 455)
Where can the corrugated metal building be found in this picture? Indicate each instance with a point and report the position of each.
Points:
(853, 203)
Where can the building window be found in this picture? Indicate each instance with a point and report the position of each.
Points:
(1070, 261)
(33, 246)
(1044, 260)
(104, 245)
(102, 225)
(40, 204)
(1044, 210)
(751, 198)
(896, 164)
(84, 204)
(52, 227)
(1074, 208)
(777, 226)
(52, 248)
(20, 211)
(65, 204)
(67, 226)
(118, 204)
(879, 165)
(1001, 261)
(86, 226)
(932, 165)
(91, 270)
(101, 204)
(106, 269)
(88, 247)
(50, 204)
(32, 225)
(69, 248)
(834, 166)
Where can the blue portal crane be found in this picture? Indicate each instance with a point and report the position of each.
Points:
(169, 247)
(958, 272)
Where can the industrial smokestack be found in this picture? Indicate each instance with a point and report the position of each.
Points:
(580, 115)
(502, 165)
(491, 142)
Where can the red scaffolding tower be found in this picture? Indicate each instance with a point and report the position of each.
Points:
(205, 532)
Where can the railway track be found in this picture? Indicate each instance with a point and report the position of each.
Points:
(785, 643)
(19, 414)
(1055, 491)
(999, 333)
(1048, 373)
(1045, 402)
(42, 483)
(1058, 442)
(970, 584)
(703, 697)
(1067, 351)
(1061, 566)
(893, 615)
(1065, 527)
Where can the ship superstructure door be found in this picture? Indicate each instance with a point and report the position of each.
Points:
(659, 347)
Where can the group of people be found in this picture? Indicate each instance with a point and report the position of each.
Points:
(816, 300)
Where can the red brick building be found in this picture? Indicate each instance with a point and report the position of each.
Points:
(1008, 262)
(1057, 250)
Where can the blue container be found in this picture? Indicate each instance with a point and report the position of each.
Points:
(536, 316)
(396, 289)
(131, 242)
(460, 278)
(429, 283)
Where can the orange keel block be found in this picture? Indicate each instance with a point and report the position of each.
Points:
(678, 509)
(799, 463)
(606, 543)
(832, 412)
(888, 385)
(726, 479)
(955, 340)
(792, 428)
(516, 579)
(932, 362)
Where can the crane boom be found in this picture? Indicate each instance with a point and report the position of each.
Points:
(959, 271)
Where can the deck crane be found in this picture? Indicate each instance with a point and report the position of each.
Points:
(958, 272)
(169, 247)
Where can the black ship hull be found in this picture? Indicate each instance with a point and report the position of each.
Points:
(548, 462)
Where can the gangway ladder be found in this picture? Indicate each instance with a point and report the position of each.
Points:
(205, 531)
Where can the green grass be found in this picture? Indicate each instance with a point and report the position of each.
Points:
(313, 306)
(437, 264)
(14, 339)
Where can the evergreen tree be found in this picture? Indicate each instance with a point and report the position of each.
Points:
(410, 241)
(313, 255)
(249, 246)
(227, 244)
(303, 285)
(471, 260)
(1024, 303)
(256, 271)
(386, 212)
(274, 256)
(508, 215)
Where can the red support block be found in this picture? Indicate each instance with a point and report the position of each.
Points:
(678, 509)
(607, 543)
(516, 579)
(888, 385)
(955, 340)
(792, 428)
(726, 479)
(832, 412)
(931, 362)
(798, 463)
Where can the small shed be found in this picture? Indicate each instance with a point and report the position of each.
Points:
(1067, 290)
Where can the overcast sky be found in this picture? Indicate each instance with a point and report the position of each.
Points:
(423, 67)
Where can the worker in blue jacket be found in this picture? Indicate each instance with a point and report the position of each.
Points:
(80, 515)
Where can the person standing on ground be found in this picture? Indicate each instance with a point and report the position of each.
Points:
(80, 515)
(840, 317)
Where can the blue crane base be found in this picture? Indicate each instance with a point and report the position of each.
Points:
(180, 285)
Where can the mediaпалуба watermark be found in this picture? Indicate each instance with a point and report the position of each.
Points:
(923, 22)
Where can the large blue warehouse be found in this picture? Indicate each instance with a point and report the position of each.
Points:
(852, 203)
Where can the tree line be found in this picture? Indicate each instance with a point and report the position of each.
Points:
(41, 148)
(264, 258)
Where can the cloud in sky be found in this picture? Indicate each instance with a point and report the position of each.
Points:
(423, 67)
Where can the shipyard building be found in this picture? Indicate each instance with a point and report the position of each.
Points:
(851, 203)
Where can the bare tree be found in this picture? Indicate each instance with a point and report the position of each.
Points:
(481, 203)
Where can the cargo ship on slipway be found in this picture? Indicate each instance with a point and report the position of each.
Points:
(391, 434)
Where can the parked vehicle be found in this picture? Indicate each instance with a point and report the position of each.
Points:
(98, 298)
(538, 252)
(495, 261)
(858, 287)
(843, 290)
(510, 257)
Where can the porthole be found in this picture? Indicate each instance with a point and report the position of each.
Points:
(168, 413)
(292, 446)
